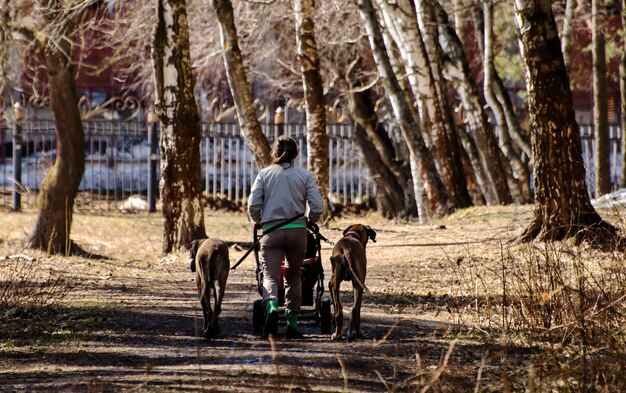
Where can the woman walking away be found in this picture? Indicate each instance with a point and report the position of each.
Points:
(282, 191)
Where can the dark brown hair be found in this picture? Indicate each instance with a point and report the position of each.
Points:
(285, 150)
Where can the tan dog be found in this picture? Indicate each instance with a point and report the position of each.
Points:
(209, 259)
(349, 263)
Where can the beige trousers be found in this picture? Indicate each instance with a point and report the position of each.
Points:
(290, 245)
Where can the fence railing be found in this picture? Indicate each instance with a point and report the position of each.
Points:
(119, 158)
(120, 162)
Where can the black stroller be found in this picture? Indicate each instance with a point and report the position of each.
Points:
(315, 307)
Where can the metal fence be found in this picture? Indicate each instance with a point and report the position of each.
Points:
(118, 158)
(118, 161)
(615, 155)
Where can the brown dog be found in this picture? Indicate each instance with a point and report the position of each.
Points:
(349, 263)
(209, 259)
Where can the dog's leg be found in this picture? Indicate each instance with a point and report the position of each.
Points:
(205, 297)
(355, 319)
(218, 293)
(205, 293)
(333, 285)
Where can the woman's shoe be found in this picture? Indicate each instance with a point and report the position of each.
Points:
(271, 318)
(292, 332)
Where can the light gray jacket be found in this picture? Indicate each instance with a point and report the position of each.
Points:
(282, 191)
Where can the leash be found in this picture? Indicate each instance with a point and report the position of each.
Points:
(271, 229)
(316, 230)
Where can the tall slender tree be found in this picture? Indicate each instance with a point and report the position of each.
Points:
(519, 179)
(600, 108)
(181, 132)
(562, 205)
(239, 87)
(568, 32)
(401, 22)
(622, 90)
(422, 165)
(458, 71)
(389, 175)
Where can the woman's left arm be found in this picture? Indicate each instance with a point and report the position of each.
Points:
(255, 201)
(314, 199)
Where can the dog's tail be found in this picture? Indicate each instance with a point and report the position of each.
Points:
(350, 265)
(193, 250)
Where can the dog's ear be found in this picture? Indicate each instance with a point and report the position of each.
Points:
(371, 233)
(193, 247)
(346, 230)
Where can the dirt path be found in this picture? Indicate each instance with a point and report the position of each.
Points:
(130, 322)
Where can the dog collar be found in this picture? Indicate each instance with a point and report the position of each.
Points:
(353, 234)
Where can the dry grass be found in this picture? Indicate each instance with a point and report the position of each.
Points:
(456, 305)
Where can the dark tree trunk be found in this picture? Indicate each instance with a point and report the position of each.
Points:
(474, 172)
(478, 199)
(600, 108)
(317, 139)
(562, 205)
(389, 175)
(622, 90)
(60, 186)
(181, 132)
(239, 87)
(389, 196)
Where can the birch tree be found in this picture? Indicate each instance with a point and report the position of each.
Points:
(517, 136)
(401, 22)
(568, 32)
(180, 185)
(456, 69)
(562, 205)
(422, 164)
(520, 181)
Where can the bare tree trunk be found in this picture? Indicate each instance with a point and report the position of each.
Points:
(458, 72)
(239, 87)
(518, 136)
(181, 131)
(393, 54)
(422, 164)
(317, 139)
(567, 32)
(401, 22)
(622, 90)
(520, 179)
(600, 109)
(474, 189)
(60, 186)
(562, 205)
(389, 196)
(471, 151)
(388, 174)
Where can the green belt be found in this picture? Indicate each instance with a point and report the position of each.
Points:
(292, 225)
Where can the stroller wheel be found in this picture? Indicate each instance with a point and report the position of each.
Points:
(325, 319)
(258, 316)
